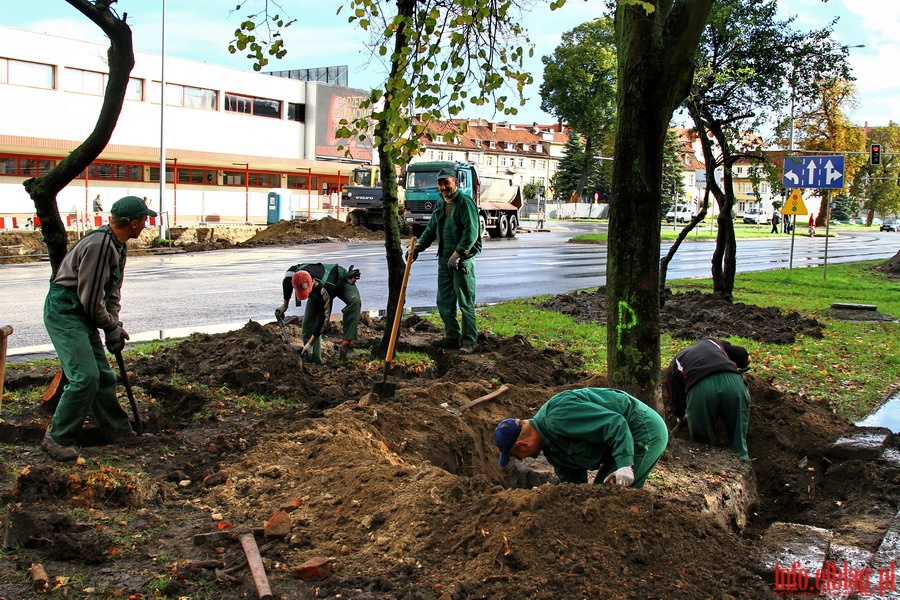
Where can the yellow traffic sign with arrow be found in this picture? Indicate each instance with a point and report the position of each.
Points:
(794, 204)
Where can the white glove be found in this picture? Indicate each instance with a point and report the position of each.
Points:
(623, 477)
(412, 253)
(115, 339)
(308, 349)
(453, 263)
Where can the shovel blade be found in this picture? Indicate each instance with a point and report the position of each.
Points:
(385, 389)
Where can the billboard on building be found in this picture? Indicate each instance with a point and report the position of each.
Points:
(333, 104)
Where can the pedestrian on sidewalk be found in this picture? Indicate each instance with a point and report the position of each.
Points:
(776, 218)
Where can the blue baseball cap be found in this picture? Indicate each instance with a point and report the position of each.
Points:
(505, 436)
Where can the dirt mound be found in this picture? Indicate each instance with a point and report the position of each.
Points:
(693, 315)
(891, 266)
(322, 230)
(403, 498)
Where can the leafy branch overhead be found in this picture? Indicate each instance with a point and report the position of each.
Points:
(440, 55)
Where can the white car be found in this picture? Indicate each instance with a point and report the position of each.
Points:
(757, 216)
(683, 214)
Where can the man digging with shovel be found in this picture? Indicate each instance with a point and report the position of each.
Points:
(84, 297)
(321, 283)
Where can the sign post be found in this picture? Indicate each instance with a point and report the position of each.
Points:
(819, 172)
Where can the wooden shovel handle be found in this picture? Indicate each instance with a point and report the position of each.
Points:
(389, 357)
(251, 550)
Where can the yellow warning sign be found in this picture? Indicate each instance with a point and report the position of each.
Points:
(794, 204)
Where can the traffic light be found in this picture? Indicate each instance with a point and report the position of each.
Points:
(875, 154)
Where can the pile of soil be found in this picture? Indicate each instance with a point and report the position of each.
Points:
(397, 498)
(326, 229)
(692, 315)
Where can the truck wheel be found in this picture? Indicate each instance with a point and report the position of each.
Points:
(353, 219)
(513, 226)
(503, 226)
(482, 225)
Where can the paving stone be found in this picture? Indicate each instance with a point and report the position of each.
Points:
(884, 582)
(843, 566)
(792, 554)
(862, 443)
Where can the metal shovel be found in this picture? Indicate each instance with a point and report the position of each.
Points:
(383, 388)
(138, 427)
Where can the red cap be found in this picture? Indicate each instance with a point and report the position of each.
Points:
(302, 282)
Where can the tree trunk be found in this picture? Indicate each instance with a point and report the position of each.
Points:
(43, 190)
(388, 165)
(655, 71)
(585, 169)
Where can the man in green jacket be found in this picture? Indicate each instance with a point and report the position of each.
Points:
(321, 284)
(591, 429)
(457, 229)
(84, 297)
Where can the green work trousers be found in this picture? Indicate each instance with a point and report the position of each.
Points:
(457, 288)
(92, 383)
(650, 435)
(313, 318)
(721, 396)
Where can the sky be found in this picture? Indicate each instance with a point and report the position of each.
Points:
(201, 30)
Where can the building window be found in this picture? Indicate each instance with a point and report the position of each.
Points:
(539, 148)
(185, 95)
(30, 74)
(248, 105)
(94, 83)
(25, 166)
(296, 112)
(170, 174)
(521, 162)
(297, 182)
(113, 171)
(490, 160)
(492, 144)
(533, 165)
(441, 155)
(199, 176)
(267, 180)
(540, 164)
(233, 178)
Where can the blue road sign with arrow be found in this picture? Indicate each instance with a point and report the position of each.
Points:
(822, 172)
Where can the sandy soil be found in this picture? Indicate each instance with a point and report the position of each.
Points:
(399, 498)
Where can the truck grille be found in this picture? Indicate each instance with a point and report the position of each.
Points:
(420, 206)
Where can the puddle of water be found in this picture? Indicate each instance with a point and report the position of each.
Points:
(887, 415)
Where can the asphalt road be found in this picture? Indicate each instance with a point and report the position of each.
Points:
(172, 295)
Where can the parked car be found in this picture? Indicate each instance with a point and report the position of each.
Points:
(889, 225)
(757, 216)
(683, 214)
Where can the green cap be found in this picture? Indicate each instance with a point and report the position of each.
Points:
(131, 207)
(446, 174)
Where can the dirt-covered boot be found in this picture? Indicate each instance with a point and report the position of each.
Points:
(57, 451)
(347, 353)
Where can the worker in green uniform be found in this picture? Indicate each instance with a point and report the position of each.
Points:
(84, 297)
(322, 283)
(590, 429)
(704, 384)
(457, 229)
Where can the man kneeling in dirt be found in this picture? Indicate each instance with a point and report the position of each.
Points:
(704, 384)
(321, 283)
(589, 429)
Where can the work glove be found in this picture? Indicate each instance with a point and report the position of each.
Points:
(412, 253)
(623, 477)
(307, 352)
(454, 262)
(115, 339)
(352, 275)
(279, 312)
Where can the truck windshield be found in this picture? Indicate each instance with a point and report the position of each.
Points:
(421, 180)
(362, 176)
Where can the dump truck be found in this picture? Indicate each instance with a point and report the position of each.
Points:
(498, 199)
(361, 197)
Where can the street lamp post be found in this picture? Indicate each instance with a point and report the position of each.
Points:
(246, 190)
